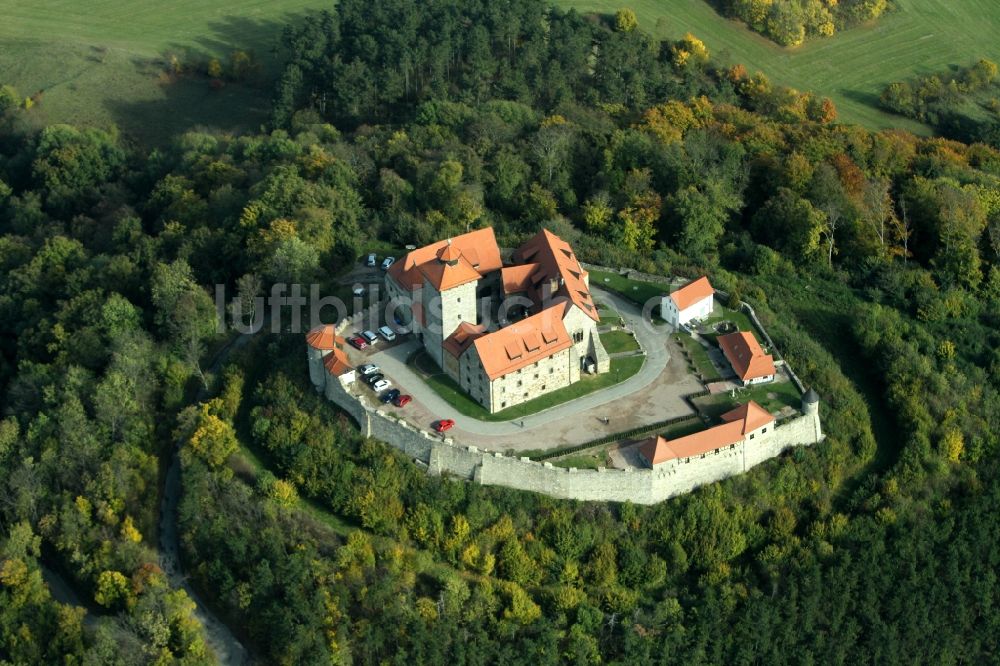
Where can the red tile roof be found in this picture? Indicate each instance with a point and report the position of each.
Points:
(739, 422)
(558, 262)
(745, 355)
(463, 337)
(751, 415)
(517, 278)
(479, 249)
(443, 274)
(336, 363)
(691, 293)
(523, 343)
(324, 337)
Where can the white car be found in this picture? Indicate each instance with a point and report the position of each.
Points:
(388, 261)
(358, 290)
(387, 333)
(368, 369)
(370, 337)
(381, 385)
(371, 260)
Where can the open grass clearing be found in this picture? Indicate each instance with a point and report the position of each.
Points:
(773, 397)
(852, 68)
(96, 61)
(619, 341)
(635, 290)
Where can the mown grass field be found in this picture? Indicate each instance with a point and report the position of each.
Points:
(98, 61)
(853, 67)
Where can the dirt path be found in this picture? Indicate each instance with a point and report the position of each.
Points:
(220, 638)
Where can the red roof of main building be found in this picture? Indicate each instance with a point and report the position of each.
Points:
(738, 422)
(521, 344)
(745, 355)
(462, 338)
(477, 250)
(556, 261)
(691, 293)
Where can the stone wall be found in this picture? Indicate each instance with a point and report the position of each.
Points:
(442, 456)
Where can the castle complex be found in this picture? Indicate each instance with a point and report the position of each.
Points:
(506, 333)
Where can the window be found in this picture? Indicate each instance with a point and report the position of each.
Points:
(543, 387)
(763, 430)
(751, 435)
(459, 316)
(536, 364)
(536, 375)
(578, 336)
(519, 382)
(502, 405)
(552, 370)
(458, 300)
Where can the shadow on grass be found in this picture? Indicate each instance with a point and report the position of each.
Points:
(190, 100)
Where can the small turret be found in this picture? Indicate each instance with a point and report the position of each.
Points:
(810, 402)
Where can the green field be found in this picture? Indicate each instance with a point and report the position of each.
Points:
(921, 36)
(99, 62)
(619, 341)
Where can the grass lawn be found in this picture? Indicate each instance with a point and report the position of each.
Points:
(591, 460)
(634, 290)
(619, 341)
(722, 313)
(699, 358)
(100, 62)
(445, 386)
(853, 67)
(771, 397)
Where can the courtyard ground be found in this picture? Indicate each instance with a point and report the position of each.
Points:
(653, 394)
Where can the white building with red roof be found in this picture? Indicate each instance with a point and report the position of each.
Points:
(505, 333)
(749, 361)
(693, 301)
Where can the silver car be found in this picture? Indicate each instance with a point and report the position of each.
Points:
(381, 385)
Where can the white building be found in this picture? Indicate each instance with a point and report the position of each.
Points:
(694, 300)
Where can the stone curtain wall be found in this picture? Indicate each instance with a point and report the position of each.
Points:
(443, 456)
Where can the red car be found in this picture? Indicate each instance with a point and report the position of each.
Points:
(358, 342)
(444, 424)
(402, 400)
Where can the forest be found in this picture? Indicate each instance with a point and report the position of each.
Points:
(873, 258)
(791, 22)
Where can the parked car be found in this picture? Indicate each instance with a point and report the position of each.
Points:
(358, 290)
(387, 333)
(388, 261)
(402, 400)
(389, 396)
(381, 385)
(358, 342)
(368, 369)
(370, 337)
(444, 424)
(372, 259)
(371, 379)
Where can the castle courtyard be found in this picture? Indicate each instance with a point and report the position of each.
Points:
(652, 395)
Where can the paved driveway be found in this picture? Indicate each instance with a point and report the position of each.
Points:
(653, 394)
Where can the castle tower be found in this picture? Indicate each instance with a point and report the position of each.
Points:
(320, 341)
(810, 407)
(449, 297)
